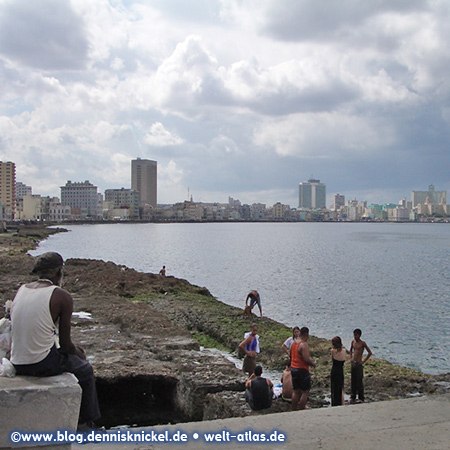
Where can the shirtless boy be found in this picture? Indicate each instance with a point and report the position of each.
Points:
(357, 373)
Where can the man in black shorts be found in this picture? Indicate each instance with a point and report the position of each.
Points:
(300, 363)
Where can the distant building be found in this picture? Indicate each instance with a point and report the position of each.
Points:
(398, 214)
(144, 180)
(58, 212)
(280, 211)
(258, 211)
(233, 203)
(22, 189)
(8, 189)
(339, 200)
(124, 199)
(312, 194)
(30, 208)
(431, 197)
(82, 198)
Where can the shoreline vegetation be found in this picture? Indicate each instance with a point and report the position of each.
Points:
(144, 329)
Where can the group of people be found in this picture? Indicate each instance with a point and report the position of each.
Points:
(296, 379)
(41, 306)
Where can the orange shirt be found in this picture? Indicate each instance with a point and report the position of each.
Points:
(297, 361)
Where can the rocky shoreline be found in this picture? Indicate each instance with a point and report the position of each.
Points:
(146, 337)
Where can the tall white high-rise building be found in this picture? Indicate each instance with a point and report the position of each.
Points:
(144, 180)
(312, 194)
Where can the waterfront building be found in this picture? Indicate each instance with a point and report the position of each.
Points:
(144, 180)
(312, 194)
(245, 212)
(431, 196)
(398, 214)
(233, 203)
(258, 211)
(280, 211)
(339, 200)
(430, 209)
(82, 198)
(8, 189)
(124, 199)
(22, 189)
(29, 208)
(59, 212)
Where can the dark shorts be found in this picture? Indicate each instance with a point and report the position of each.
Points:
(254, 301)
(301, 379)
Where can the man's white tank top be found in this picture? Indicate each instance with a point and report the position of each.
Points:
(33, 332)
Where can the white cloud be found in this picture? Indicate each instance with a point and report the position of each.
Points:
(160, 137)
(229, 96)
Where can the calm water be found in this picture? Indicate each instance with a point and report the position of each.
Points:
(390, 280)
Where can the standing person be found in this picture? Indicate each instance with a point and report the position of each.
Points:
(36, 309)
(258, 390)
(300, 363)
(162, 272)
(288, 342)
(254, 299)
(356, 359)
(338, 356)
(250, 346)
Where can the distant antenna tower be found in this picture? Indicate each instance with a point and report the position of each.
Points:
(188, 194)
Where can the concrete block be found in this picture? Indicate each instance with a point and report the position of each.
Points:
(34, 404)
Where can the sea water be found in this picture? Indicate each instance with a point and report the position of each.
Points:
(390, 280)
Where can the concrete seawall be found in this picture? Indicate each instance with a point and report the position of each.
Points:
(415, 423)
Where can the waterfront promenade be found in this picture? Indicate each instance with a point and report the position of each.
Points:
(415, 423)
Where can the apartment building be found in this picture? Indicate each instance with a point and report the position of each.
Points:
(8, 189)
(144, 180)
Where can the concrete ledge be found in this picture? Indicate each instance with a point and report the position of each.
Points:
(416, 423)
(34, 404)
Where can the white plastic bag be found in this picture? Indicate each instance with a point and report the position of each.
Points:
(7, 369)
(5, 336)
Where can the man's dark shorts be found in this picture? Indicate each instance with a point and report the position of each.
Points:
(301, 379)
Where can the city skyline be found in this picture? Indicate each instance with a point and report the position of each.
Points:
(152, 188)
(243, 99)
(83, 201)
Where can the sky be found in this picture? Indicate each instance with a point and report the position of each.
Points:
(240, 98)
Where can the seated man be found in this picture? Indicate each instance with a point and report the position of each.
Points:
(286, 382)
(258, 390)
(36, 309)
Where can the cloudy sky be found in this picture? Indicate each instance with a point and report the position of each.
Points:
(240, 98)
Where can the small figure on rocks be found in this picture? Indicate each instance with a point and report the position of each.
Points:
(162, 272)
(254, 299)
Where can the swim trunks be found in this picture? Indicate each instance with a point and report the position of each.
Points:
(301, 379)
(254, 300)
